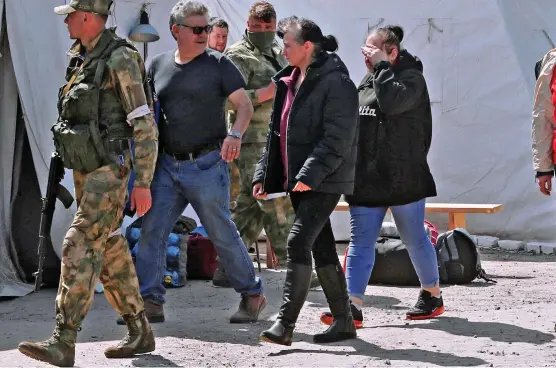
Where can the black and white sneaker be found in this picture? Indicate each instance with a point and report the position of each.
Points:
(427, 307)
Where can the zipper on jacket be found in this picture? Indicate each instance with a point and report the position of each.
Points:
(288, 126)
(268, 148)
(267, 152)
(288, 132)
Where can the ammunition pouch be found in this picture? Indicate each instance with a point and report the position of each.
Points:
(81, 139)
(76, 146)
(79, 151)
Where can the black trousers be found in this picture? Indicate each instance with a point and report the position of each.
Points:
(311, 230)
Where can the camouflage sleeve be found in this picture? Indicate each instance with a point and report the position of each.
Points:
(127, 73)
(246, 72)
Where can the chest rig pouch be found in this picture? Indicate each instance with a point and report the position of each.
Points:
(77, 136)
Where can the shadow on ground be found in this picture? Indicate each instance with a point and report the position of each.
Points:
(496, 331)
(373, 351)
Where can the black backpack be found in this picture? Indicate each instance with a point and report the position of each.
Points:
(392, 264)
(458, 258)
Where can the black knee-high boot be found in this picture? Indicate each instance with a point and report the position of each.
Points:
(333, 283)
(296, 288)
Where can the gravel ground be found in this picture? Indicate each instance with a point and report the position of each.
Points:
(509, 324)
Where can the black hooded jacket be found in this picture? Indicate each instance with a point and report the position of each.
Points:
(395, 132)
(322, 128)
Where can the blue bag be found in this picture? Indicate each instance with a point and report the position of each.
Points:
(175, 273)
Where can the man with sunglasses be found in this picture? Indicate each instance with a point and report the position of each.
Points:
(193, 83)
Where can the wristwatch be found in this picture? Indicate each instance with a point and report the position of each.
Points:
(235, 134)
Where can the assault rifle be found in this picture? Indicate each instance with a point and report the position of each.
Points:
(53, 190)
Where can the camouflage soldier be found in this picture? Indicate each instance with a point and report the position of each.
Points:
(102, 106)
(258, 57)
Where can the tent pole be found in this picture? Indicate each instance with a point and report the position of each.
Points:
(549, 39)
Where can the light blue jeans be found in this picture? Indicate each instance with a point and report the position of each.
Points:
(205, 184)
(366, 223)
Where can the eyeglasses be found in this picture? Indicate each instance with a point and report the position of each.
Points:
(198, 29)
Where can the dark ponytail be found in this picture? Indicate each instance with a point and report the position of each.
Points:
(391, 36)
(329, 43)
(396, 30)
(307, 31)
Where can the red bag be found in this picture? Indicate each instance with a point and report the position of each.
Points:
(434, 232)
(201, 257)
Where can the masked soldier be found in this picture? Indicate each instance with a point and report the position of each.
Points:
(258, 57)
(105, 103)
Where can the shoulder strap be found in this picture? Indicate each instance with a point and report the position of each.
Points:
(97, 81)
(480, 271)
(99, 73)
(451, 247)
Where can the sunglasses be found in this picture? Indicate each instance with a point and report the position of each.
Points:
(198, 29)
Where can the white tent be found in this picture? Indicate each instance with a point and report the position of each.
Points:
(478, 55)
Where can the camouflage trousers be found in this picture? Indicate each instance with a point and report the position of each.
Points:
(251, 216)
(94, 247)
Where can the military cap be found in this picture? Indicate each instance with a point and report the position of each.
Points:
(101, 7)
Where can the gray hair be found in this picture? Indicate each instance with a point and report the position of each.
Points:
(184, 9)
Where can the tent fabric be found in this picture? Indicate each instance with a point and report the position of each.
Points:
(478, 60)
(10, 274)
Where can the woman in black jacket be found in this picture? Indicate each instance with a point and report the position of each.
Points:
(395, 130)
(310, 153)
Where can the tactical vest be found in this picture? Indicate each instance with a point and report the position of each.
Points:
(89, 116)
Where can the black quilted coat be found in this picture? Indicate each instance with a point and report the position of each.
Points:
(395, 131)
(322, 131)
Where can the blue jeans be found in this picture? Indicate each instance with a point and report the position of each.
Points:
(205, 184)
(366, 223)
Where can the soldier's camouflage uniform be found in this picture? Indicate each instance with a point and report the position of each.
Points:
(94, 247)
(251, 215)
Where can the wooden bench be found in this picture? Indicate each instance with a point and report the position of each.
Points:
(456, 211)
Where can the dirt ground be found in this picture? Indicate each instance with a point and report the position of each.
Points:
(509, 324)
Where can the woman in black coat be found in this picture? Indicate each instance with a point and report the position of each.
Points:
(310, 154)
(395, 130)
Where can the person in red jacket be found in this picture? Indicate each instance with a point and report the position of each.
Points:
(544, 123)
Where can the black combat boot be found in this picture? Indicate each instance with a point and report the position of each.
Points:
(333, 283)
(296, 288)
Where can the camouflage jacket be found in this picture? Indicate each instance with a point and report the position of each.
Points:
(257, 70)
(125, 75)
